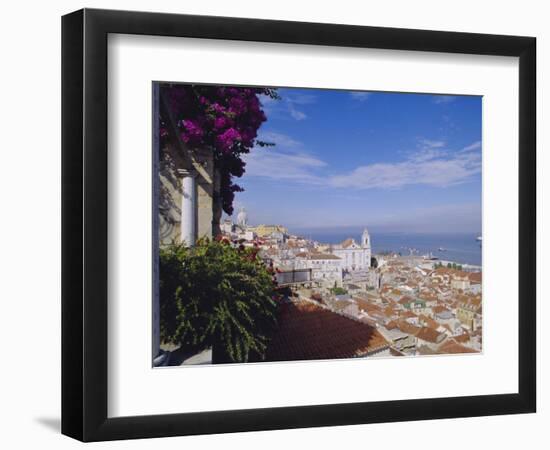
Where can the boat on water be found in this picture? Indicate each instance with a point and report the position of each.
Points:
(430, 256)
(441, 249)
(478, 238)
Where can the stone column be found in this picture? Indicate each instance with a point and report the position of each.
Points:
(188, 226)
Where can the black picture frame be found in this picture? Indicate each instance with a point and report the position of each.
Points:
(84, 224)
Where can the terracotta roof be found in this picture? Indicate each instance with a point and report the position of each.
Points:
(367, 306)
(323, 256)
(428, 296)
(347, 243)
(429, 322)
(462, 338)
(451, 346)
(430, 335)
(439, 309)
(308, 331)
(475, 277)
(425, 350)
(407, 314)
(408, 328)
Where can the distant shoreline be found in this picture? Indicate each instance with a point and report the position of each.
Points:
(461, 248)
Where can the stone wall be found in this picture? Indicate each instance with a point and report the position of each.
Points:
(172, 160)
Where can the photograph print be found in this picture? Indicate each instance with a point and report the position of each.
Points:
(295, 224)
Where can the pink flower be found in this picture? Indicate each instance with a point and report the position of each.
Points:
(227, 139)
(221, 122)
(217, 108)
(192, 132)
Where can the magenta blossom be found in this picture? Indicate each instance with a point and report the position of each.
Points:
(221, 123)
(192, 132)
(223, 118)
(228, 138)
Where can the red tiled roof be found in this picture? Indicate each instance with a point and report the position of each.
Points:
(462, 338)
(367, 306)
(439, 309)
(425, 350)
(323, 256)
(451, 346)
(347, 243)
(308, 331)
(475, 277)
(430, 335)
(429, 322)
(407, 314)
(408, 328)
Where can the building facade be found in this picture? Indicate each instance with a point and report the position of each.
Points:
(354, 256)
(326, 268)
(266, 230)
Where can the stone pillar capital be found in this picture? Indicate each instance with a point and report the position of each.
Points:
(185, 173)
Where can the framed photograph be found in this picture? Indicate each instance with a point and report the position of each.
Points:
(273, 224)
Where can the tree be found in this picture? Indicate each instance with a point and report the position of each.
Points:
(214, 295)
(338, 290)
(223, 118)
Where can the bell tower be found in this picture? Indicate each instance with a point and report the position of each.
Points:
(365, 239)
(365, 247)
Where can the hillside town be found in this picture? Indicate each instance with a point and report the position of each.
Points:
(344, 301)
(227, 290)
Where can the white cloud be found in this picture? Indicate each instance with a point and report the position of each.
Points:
(428, 143)
(293, 99)
(296, 114)
(286, 161)
(360, 96)
(291, 104)
(431, 167)
(283, 165)
(474, 146)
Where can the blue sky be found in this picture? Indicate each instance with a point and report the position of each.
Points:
(387, 161)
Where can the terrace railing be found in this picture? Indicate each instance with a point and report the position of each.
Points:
(294, 277)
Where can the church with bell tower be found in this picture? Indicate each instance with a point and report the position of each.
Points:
(354, 256)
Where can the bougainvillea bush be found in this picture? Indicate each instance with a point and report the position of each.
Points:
(217, 296)
(223, 118)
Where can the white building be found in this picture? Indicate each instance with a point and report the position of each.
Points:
(227, 227)
(326, 268)
(242, 218)
(354, 256)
